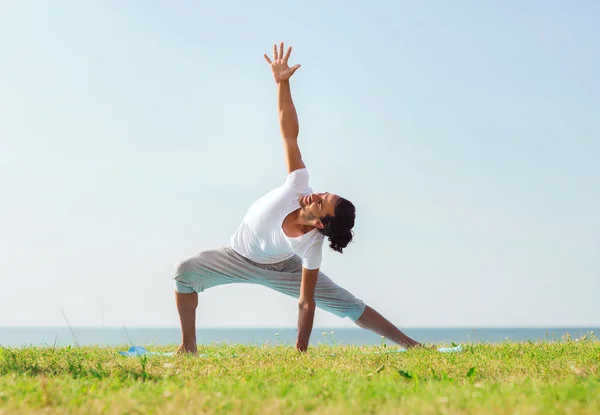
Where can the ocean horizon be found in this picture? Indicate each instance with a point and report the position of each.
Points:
(164, 336)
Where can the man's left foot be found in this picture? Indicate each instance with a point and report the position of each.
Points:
(183, 349)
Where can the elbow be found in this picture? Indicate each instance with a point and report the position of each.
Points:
(289, 132)
(287, 112)
(307, 305)
(284, 116)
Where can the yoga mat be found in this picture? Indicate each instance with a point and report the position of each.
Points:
(136, 351)
(440, 349)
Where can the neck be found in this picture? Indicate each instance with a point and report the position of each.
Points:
(301, 220)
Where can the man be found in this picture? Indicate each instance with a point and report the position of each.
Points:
(279, 243)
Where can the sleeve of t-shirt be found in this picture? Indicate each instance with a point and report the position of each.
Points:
(298, 180)
(313, 257)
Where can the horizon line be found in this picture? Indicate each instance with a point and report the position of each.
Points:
(458, 327)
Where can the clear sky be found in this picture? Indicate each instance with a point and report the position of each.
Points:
(135, 134)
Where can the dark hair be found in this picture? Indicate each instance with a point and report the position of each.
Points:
(338, 228)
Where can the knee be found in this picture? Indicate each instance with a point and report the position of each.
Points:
(355, 312)
(185, 266)
(191, 273)
(192, 264)
(184, 278)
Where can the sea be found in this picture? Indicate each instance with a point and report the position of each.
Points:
(168, 336)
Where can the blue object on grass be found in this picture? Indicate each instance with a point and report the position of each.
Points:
(440, 349)
(140, 351)
(450, 349)
(135, 351)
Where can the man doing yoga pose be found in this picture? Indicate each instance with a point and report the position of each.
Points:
(280, 241)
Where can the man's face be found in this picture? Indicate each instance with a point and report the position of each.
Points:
(317, 206)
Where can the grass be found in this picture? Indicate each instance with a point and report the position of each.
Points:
(525, 378)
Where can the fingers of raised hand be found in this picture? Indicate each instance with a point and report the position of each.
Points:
(278, 54)
(287, 55)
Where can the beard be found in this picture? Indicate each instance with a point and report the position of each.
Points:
(307, 214)
(304, 209)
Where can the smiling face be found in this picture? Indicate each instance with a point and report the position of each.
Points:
(317, 206)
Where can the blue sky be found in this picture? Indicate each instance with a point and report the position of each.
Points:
(135, 134)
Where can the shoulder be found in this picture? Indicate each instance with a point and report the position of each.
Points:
(314, 254)
(298, 179)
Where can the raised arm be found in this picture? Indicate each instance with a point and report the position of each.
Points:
(288, 118)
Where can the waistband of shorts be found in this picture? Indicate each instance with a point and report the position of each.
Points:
(236, 254)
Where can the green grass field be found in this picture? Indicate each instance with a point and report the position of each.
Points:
(525, 378)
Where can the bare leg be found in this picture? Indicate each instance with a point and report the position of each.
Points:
(186, 305)
(372, 320)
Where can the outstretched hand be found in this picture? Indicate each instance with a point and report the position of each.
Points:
(279, 65)
(302, 345)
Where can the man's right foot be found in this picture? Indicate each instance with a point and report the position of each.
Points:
(187, 349)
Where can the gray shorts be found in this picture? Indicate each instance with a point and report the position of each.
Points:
(225, 266)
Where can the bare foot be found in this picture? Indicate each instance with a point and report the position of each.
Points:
(184, 348)
(410, 344)
(422, 346)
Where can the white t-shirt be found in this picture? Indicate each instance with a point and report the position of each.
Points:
(260, 236)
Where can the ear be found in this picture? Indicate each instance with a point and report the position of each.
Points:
(318, 224)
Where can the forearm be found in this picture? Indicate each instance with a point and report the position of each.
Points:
(288, 118)
(306, 317)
